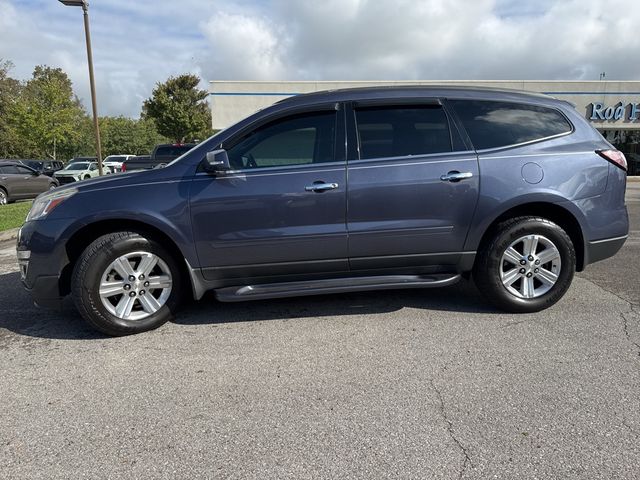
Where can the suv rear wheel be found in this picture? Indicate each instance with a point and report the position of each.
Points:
(526, 266)
(124, 283)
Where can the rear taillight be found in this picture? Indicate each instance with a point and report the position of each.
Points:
(124, 168)
(614, 156)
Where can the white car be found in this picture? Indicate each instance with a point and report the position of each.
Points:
(113, 163)
(76, 171)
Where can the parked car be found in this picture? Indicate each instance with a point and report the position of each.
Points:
(19, 182)
(167, 152)
(634, 163)
(82, 159)
(341, 191)
(46, 167)
(138, 162)
(113, 163)
(76, 171)
(162, 155)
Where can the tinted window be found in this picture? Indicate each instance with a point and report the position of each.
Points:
(34, 164)
(10, 170)
(24, 170)
(401, 131)
(498, 124)
(172, 150)
(298, 140)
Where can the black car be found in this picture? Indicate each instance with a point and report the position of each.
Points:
(46, 167)
(19, 182)
(161, 155)
(165, 153)
(139, 162)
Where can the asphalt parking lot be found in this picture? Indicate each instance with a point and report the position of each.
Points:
(403, 384)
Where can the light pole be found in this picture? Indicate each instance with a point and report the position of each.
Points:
(85, 8)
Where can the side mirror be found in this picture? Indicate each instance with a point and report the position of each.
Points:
(217, 161)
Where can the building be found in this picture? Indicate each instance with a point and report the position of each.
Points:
(613, 107)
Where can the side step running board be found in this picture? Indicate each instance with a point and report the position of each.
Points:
(334, 285)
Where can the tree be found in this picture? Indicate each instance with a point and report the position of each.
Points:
(179, 109)
(48, 117)
(126, 135)
(9, 93)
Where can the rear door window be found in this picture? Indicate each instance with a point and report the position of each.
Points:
(9, 170)
(500, 124)
(400, 131)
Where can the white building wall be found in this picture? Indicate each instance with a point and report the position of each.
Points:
(233, 100)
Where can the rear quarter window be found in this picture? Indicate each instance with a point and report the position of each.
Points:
(500, 124)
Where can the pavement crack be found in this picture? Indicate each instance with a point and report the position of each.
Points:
(466, 458)
(609, 291)
(633, 310)
(631, 429)
(625, 327)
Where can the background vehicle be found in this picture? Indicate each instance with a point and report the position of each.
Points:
(19, 182)
(76, 171)
(46, 167)
(114, 162)
(138, 162)
(167, 152)
(82, 159)
(634, 163)
(515, 190)
(161, 155)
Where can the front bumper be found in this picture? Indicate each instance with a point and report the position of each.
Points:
(45, 292)
(42, 259)
(63, 180)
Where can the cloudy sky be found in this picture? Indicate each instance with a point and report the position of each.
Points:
(137, 43)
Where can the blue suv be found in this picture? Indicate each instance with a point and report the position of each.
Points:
(340, 191)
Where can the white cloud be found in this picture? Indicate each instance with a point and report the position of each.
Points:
(250, 45)
(436, 39)
(138, 43)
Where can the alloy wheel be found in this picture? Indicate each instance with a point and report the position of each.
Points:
(135, 285)
(530, 266)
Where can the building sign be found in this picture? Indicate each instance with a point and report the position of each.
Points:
(628, 112)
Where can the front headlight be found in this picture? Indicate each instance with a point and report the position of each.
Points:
(48, 201)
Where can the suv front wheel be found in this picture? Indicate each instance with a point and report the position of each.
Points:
(124, 283)
(526, 266)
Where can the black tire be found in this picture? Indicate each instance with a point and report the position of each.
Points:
(488, 265)
(87, 177)
(88, 272)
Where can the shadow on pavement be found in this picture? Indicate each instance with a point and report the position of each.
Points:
(20, 316)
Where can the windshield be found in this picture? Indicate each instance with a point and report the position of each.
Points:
(77, 166)
(115, 158)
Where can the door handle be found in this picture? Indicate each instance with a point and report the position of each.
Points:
(320, 187)
(455, 176)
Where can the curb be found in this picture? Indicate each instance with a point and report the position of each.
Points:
(9, 235)
(633, 178)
